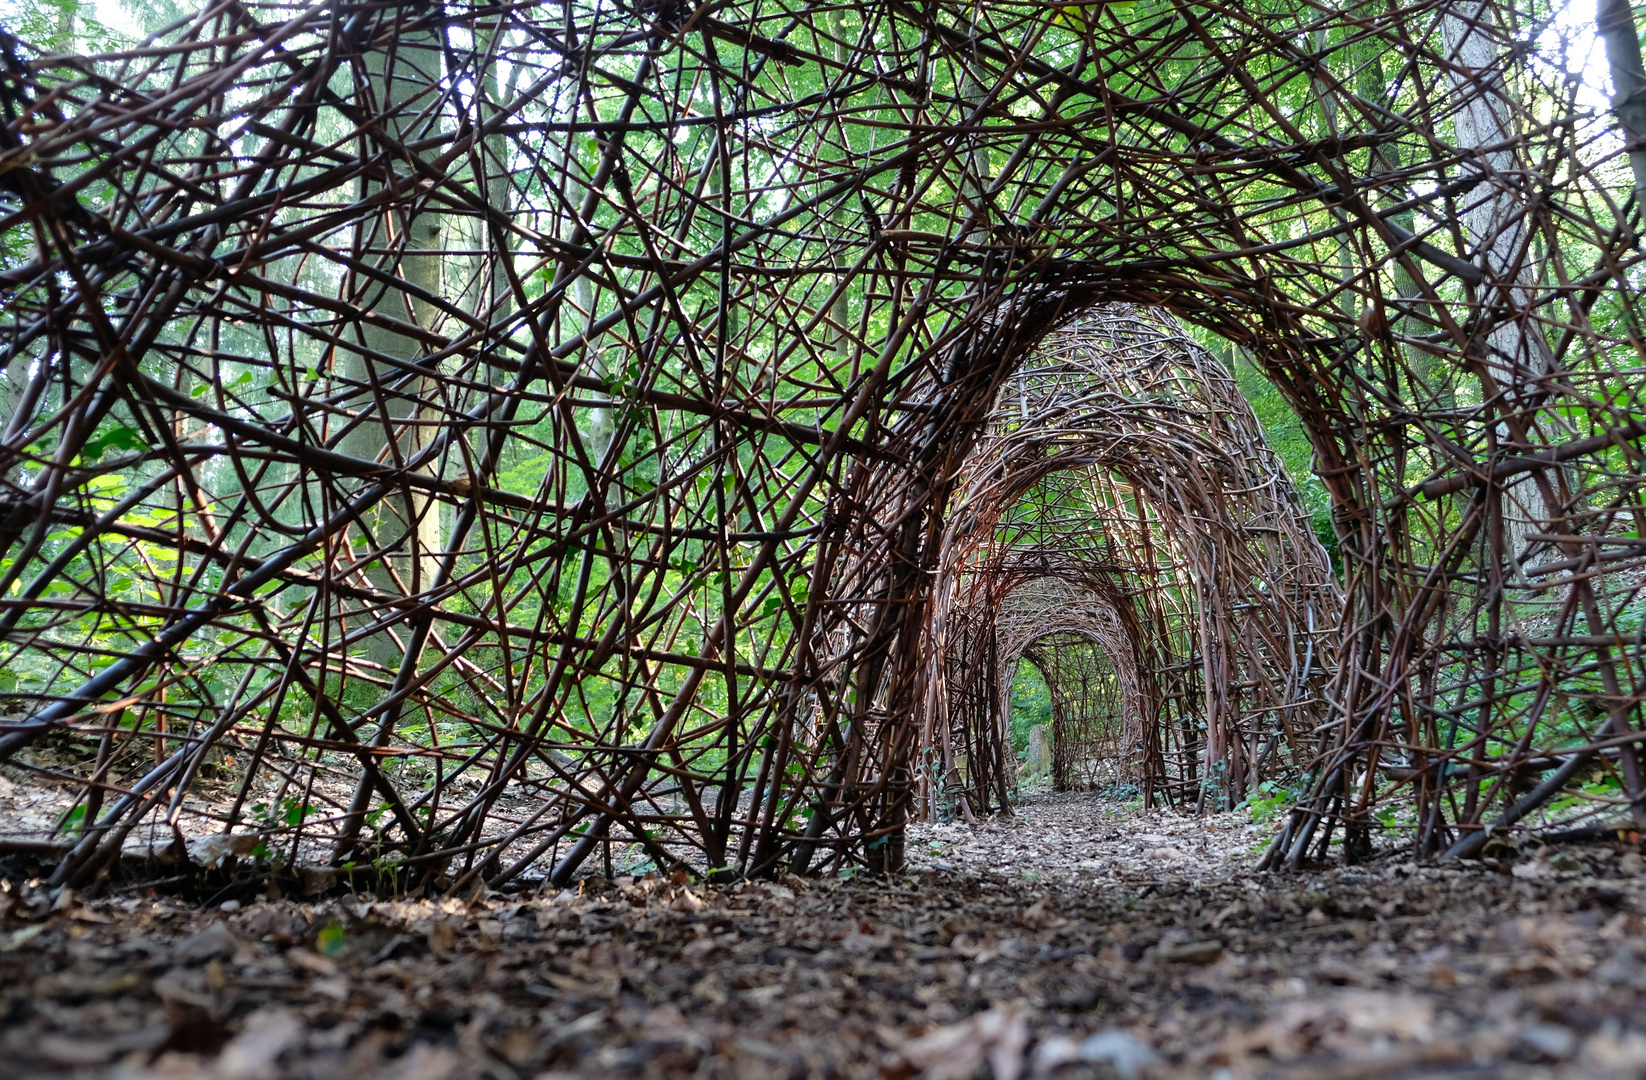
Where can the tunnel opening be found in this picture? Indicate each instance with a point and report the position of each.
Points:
(1123, 520)
(1085, 716)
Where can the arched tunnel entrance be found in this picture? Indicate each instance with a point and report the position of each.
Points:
(1084, 715)
(1141, 514)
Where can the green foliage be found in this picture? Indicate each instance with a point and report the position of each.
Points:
(112, 437)
(1031, 704)
(290, 811)
(74, 821)
(1284, 432)
(1271, 799)
(60, 26)
(330, 940)
(1601, 784)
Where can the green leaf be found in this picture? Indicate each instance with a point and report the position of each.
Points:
(329, 942)
(74, 820)
(120, 438)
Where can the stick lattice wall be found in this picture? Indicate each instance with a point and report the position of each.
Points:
(469, 438)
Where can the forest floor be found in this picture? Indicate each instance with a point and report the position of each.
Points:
(1075, 939)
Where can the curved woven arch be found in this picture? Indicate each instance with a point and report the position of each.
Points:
(1041, 621)
(1089, 703)
(1125, 492)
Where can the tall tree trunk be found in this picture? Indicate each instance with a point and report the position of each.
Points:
(1496, 233)
(840, 309)
(403, 74)
(1615, 20)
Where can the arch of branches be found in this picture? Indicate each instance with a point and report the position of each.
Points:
(1105, 712)
(1088, 748)
(471, 438)
(1124, 495)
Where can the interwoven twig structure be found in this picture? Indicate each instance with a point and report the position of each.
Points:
(1125, 496)
(469, 437)
(1087, 704)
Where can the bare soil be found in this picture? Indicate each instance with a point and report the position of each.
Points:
(1077, 939)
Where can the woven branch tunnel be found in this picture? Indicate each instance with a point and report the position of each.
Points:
(1124, 494)
(477, 443)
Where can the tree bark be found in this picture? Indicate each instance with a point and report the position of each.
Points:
(408, 244)
(1615, 21)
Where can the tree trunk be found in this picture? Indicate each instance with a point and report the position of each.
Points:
(407, 244)
(1615, 21)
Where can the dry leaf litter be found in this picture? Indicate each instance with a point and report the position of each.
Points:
(1076, 939)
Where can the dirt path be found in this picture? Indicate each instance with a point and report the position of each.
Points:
(1077, 940)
